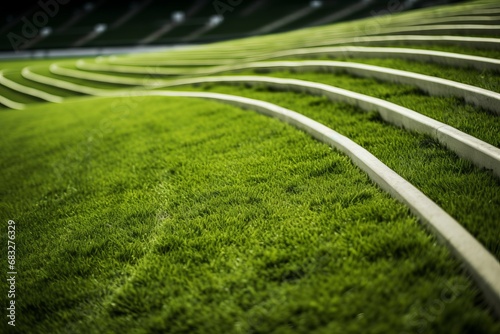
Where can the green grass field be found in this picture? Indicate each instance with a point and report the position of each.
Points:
(142, 214)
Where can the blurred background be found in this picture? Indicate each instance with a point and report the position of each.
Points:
(50, 24)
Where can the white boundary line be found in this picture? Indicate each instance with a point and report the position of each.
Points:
(29, 90)
(11, 104)
(439, 29)
(441, 57)
(374, 29)
(432, 85)
(446, 58)
(483, 42)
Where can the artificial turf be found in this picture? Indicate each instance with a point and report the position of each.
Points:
(482, 124)
(486, 79)
(438, 172)
(15, 95)
(18, 78)
(157, 215)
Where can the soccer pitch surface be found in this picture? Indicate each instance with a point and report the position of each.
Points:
(142, 204)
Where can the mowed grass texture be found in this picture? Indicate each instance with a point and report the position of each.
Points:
(158, 215)
(482, 124)
(485, 79)
(469, 194)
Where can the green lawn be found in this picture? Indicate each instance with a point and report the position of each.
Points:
(17, 77)
(167, 216)
(475, 121)
(418, 158)
(489, 80)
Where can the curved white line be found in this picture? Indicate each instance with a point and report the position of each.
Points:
(484, 42)
(131, 69)
(477, 19)
(29, 90)
(432, 85)
(447, 58)
(442, 28)
(11, 104)
(373, 28)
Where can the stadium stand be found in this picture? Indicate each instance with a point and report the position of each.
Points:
(51, 24)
